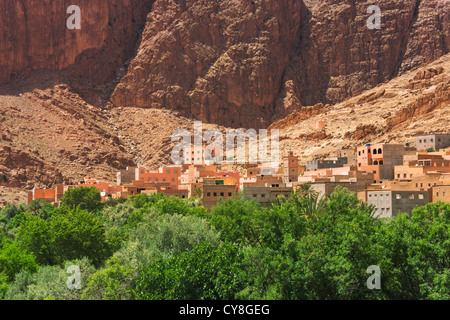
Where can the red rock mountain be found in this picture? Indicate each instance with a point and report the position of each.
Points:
(33, 35)
(232, 62)
(247, 63)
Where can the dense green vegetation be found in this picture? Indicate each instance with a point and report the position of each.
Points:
(154, 247)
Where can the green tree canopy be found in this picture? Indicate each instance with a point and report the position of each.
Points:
(87, 198)
(205, 272)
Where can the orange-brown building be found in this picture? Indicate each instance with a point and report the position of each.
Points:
(380, 159)
(164, 174)
(440, 193)
(212, 193)
(290, 168)
(47, 195)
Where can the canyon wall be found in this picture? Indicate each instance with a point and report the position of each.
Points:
(237, 63)
(218, 61)
(33, 35)
(248, 63)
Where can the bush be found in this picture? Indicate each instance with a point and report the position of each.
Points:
(50, 283)
(14, 259)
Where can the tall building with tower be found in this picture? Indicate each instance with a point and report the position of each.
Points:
(290, 168)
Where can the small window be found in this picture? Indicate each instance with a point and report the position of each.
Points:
(421, 196)
(411, 196)
(263, 195)
(208, 194)
(175, 171)
(254, 195)
(215, 194)
(149, 179)
(398, 196)
(173, 179)
(229, 194)
(168, 171)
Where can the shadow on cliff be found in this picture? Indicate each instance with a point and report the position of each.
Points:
(96, 71)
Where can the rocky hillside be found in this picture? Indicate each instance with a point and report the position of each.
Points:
(247, 63)
(417, 102)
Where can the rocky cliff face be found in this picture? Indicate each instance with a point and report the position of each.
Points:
(33, 35)
(247, 63)
(339, 56)
(238, 63)
(219, 61)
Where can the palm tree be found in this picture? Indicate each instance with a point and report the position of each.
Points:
(307, 200)
(198, 192)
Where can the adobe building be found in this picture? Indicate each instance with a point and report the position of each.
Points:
(327, 163)
(290, 168)
(168, 192)
(229, 174)
(390, 203)
(169, 174)
(265, 195)
(196, 173)
(434, 141)
(127, 175)
(380, 159)
(204, 155)
(326, 188)
(47, 195)
(440, 193)
(420, 167)
(266, 171)
(212, 193)
(262, 179)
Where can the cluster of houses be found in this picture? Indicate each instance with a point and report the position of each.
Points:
(393, 177)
